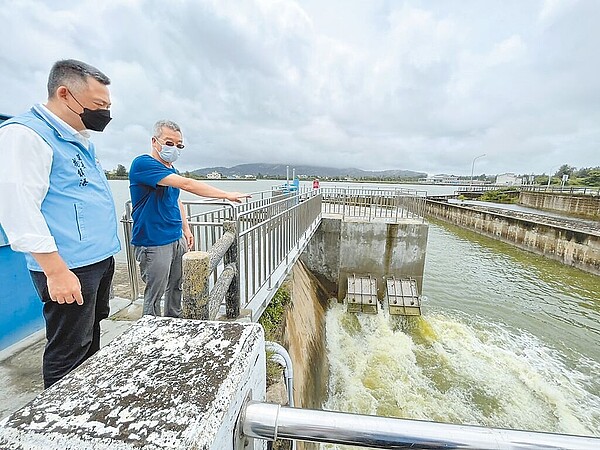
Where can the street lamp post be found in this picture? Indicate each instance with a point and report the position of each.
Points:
(550, 176)
(472, 168)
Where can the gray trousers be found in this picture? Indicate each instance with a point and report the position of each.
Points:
(161, 270)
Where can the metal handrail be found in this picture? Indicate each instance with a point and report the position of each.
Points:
(269, 229)
(270, 421)
(375, 203)
(268, 236)
(585, 190)
(576, 190)
(286, 361)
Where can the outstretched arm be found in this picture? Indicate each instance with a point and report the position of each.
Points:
(200, 188)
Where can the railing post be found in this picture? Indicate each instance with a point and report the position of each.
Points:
(344, 201)
(232, 297)
(196, 270)
(129, 252)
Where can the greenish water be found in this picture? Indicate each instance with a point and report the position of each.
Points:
(508, 339)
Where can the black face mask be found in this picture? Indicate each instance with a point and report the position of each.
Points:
(93, 119)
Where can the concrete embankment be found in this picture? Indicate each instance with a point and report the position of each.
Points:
(580, 205)
(573, 242)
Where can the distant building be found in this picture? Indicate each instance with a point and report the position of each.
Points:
(214, 176)
(509, 179)
(440, 179)
(249, 177)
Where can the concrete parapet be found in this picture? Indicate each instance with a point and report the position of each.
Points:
(165, 383)
(579, 205)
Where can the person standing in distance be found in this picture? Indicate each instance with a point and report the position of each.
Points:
(161, 234)
(56, 206)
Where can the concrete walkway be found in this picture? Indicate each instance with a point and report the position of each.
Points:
(21, 364)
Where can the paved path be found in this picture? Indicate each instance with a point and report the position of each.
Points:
(21, 364)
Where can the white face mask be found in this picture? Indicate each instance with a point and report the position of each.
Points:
(169, 154)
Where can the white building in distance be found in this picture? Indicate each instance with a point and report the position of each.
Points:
(509, 179)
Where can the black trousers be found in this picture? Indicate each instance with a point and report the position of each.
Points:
(72, 330)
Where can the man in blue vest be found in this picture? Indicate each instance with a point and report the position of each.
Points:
(161, 234)
(57, 207)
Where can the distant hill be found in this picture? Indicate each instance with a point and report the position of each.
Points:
(278, 170)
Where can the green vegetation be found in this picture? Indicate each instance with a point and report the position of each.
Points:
(273, 320)
(500, 196)
(120, 173)
(585, 176)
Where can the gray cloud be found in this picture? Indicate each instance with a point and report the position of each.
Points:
(421, 85)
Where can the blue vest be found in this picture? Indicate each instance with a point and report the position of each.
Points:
(79, 208)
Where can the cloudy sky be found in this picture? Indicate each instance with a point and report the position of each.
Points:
(417, 85)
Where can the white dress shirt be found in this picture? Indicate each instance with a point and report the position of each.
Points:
(26, 161)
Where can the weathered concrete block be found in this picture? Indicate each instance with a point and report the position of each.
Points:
(195, 285)
(164, 384)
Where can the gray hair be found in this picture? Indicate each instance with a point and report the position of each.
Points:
(158, 126)
(73, 74)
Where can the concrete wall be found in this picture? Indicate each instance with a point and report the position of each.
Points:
(580, 205)
(342, 247)
(571, 247)
(322, 254)
(304, 337)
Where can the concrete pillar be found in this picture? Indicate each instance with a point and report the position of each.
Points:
(196, 270)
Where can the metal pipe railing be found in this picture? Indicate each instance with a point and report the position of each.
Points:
(270, 421)
(374, 203)
(279, 350)
(269, 228)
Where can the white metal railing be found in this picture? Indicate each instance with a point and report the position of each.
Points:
(373, 204)
(576, 190)
(271, 238)
(272, 230)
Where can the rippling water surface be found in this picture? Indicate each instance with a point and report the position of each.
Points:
(508, 339)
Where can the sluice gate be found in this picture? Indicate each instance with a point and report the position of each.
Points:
(401, 296)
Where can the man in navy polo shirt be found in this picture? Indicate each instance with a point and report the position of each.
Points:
(161, 234)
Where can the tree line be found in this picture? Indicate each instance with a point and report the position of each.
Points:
(585, 176)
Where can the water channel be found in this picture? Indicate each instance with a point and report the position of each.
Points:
(508, 339)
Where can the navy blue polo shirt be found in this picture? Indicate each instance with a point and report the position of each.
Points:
(156, 215)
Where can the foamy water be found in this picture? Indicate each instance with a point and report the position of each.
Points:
(455, 369)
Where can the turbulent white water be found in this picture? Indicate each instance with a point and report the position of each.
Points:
(455, 369)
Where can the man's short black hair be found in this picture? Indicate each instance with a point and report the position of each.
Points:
(73, 74)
